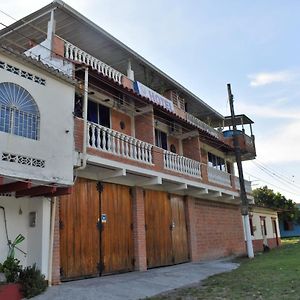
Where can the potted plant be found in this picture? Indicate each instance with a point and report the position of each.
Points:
(10, 289)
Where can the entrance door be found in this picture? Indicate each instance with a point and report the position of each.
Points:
(79, 236)
(96, 230)
(179, 230)
(158, 221)
(116, 237)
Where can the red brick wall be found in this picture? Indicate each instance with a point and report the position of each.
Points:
(78, 134)
(191, 148)
(258, 244)
(56, 249)
(139, 234)
(116, 118)
(218, 229)
(144, 128)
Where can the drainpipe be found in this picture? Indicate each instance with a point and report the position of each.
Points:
(85, 107)
(53, 212)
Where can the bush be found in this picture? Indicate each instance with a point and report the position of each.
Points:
(32, 281)
(11, 269)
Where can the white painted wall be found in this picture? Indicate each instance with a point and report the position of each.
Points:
(36, 243)
(268, 214)
(55, 102)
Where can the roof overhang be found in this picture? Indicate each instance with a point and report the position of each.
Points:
(82, 32)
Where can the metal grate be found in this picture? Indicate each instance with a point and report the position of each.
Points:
(22, 73)
(23, 160)
(19, 113)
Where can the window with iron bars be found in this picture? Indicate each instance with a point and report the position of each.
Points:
(19, 114)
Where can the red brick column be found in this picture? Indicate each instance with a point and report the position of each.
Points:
(139, 233)
(191, 225)
(56, 249)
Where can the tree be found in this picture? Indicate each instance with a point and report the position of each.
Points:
(288, 211)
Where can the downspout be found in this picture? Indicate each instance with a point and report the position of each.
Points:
(85, 107)
(53, 212)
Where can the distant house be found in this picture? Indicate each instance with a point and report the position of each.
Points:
(264, 228)
(289, 228)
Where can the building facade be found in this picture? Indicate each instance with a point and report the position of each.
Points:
(264, 227)
(138, 171)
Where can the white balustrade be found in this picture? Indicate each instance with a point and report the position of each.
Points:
(74, 53)
(248, 187)
(181, 164)
(119, 144)
(218, 176)
(203, 126)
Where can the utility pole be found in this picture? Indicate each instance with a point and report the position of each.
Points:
(244, 199)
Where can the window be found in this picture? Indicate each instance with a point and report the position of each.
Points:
(98, 114)
(263, 226)
(19, 113)
(216, 162)
(161, 139)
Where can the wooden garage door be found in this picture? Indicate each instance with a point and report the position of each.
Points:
(158, 221)
(166, 232)
(179, 230)
(116, 238)
(95, 230)
(79, 236)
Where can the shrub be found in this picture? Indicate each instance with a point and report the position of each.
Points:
(11, 268)
(32, 281)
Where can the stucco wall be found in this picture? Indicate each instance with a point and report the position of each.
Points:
(55, 146)
(36, 243)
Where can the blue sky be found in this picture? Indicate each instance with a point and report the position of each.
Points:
(204, 45)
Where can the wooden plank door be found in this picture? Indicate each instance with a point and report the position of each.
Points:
(158, 229)
(116, 235)
(179, 230)
(79, 235)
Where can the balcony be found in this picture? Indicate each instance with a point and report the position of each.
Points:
(245, 141)
(118, 144)
(218, 176)
(203, 126)
(74, 53)
(181, 164)
(248, 187)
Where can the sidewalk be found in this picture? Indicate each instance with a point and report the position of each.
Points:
(137, 285)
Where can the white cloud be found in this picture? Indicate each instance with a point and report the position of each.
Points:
(283, 145)
(269, 111)
(264, 78)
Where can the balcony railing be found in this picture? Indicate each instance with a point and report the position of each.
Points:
(74, 53)
(181, 164)
(203, 126)
(218, 176)
(119, 144)
(248, 187)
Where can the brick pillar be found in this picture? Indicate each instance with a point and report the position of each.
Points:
(191, 225)
(56, 249)
(139, 233)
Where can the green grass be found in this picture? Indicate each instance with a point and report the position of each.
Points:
(272, 275)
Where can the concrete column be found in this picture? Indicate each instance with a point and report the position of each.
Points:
(139, 233)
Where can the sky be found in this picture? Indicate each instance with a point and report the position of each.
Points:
(205, 44)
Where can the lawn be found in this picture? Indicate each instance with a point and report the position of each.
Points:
(272, 275)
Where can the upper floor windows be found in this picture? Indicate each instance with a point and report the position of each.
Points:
(98, 114)
(216, 162)
(19, 113)
(161, 139)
